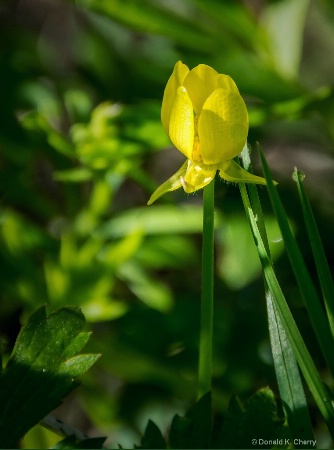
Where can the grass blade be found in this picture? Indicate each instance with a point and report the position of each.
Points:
(320, 393)
(288, 377)
(315, 310)
(324, 273)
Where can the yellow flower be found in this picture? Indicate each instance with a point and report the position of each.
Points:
(206, 119)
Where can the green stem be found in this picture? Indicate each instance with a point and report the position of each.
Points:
(205, 344)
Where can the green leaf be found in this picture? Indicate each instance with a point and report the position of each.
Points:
(41, 370)
(152, 437)
(322, 396)
(257, 418)
(71, 442)
(194, 429)
(324, 273)
(306, 287)
(288, 377)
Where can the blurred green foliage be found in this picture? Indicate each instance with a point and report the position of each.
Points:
(82, 149)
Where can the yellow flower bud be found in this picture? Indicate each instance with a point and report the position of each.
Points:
(212, 101)
(206, 119)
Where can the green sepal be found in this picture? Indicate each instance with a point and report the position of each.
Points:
(198, 176)
(232, 172)
(173, 183)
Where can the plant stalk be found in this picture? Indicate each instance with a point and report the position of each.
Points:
(206, 326)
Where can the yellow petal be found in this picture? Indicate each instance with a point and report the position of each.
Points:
(200, 83)
(173, 183)
(231, 171)
(181, 123)
(222, 126)
(176, 79)
(197, 176)
(226, 82)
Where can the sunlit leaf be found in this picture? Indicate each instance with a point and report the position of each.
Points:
(41, 370)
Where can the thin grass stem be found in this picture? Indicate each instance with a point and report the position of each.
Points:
(206, 327)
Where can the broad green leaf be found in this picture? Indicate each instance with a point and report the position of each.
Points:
(152, 438)
(245, 423)
(41, 370)
(194, 429)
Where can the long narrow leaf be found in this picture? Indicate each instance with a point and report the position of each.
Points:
(306, 364)
(324, 273)
(315, 310)
(288, 377)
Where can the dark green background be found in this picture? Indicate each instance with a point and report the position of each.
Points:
(82, 149)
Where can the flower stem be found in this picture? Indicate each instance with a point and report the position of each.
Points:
(205, 343)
